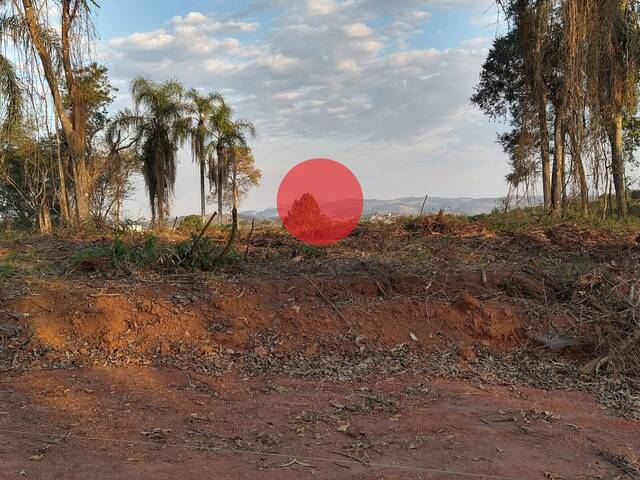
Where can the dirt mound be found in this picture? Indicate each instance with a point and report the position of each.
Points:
(442, 224)
(279, 317)
(574, 235)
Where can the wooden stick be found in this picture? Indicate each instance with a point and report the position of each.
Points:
(423, 204)
(328, 300)
(206, 226)
(246, 253)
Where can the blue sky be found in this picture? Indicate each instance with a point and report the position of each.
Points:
(379, 85)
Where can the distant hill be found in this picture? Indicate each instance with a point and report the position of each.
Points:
(409, 206)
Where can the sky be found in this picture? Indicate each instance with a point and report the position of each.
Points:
(381, 86)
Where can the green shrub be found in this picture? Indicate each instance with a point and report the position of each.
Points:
(191, 224)
(7, 269)
(307, 250)
(87, 254)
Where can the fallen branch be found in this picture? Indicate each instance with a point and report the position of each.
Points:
(328, 300)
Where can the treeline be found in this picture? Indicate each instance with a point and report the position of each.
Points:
(565, 76)
(66, 160)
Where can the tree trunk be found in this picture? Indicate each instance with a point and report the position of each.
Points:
(219, 204)
(63, 196)
(584, 187)
(44, 218)
(544, 151)
(118, 203)
(234, 219)
(617, 164)
(558, 167)
(160, 215)
(202, 193)
(220, 175)
(81, 186)
(541, 96)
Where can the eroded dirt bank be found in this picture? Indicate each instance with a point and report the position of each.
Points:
(437, 354)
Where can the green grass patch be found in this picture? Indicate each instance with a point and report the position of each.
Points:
(9, 265)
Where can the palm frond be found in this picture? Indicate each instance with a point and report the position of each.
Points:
(10, 96)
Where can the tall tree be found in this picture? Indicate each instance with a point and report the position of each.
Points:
(235, 142)
(200, 109)
(613, 75)
(74, 19)
(226, 133)
(532, 25)
(581, 65)
(161, 129)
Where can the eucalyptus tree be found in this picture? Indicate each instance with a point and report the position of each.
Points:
(201, 108)
(581, 71)
(501, 94)
(613, 73)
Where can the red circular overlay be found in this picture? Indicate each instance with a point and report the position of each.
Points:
(320, 201)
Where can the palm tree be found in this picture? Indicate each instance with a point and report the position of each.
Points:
(160, 129)
(200, 108)
(226, 134)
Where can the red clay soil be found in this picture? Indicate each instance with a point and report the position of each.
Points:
(63, 316)
(148, 423)
(86, 388)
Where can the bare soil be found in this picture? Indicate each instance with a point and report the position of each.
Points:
(424, 350)
(145, 422)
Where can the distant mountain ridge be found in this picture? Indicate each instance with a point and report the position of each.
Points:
(410, 206)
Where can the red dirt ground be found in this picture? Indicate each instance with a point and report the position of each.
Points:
(89, 424)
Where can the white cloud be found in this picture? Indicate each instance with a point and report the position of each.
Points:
(196, 21)
(287, 95)
(327, 78)
(419, 15)
(322, 7)
(144, 41)
(357, 30)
